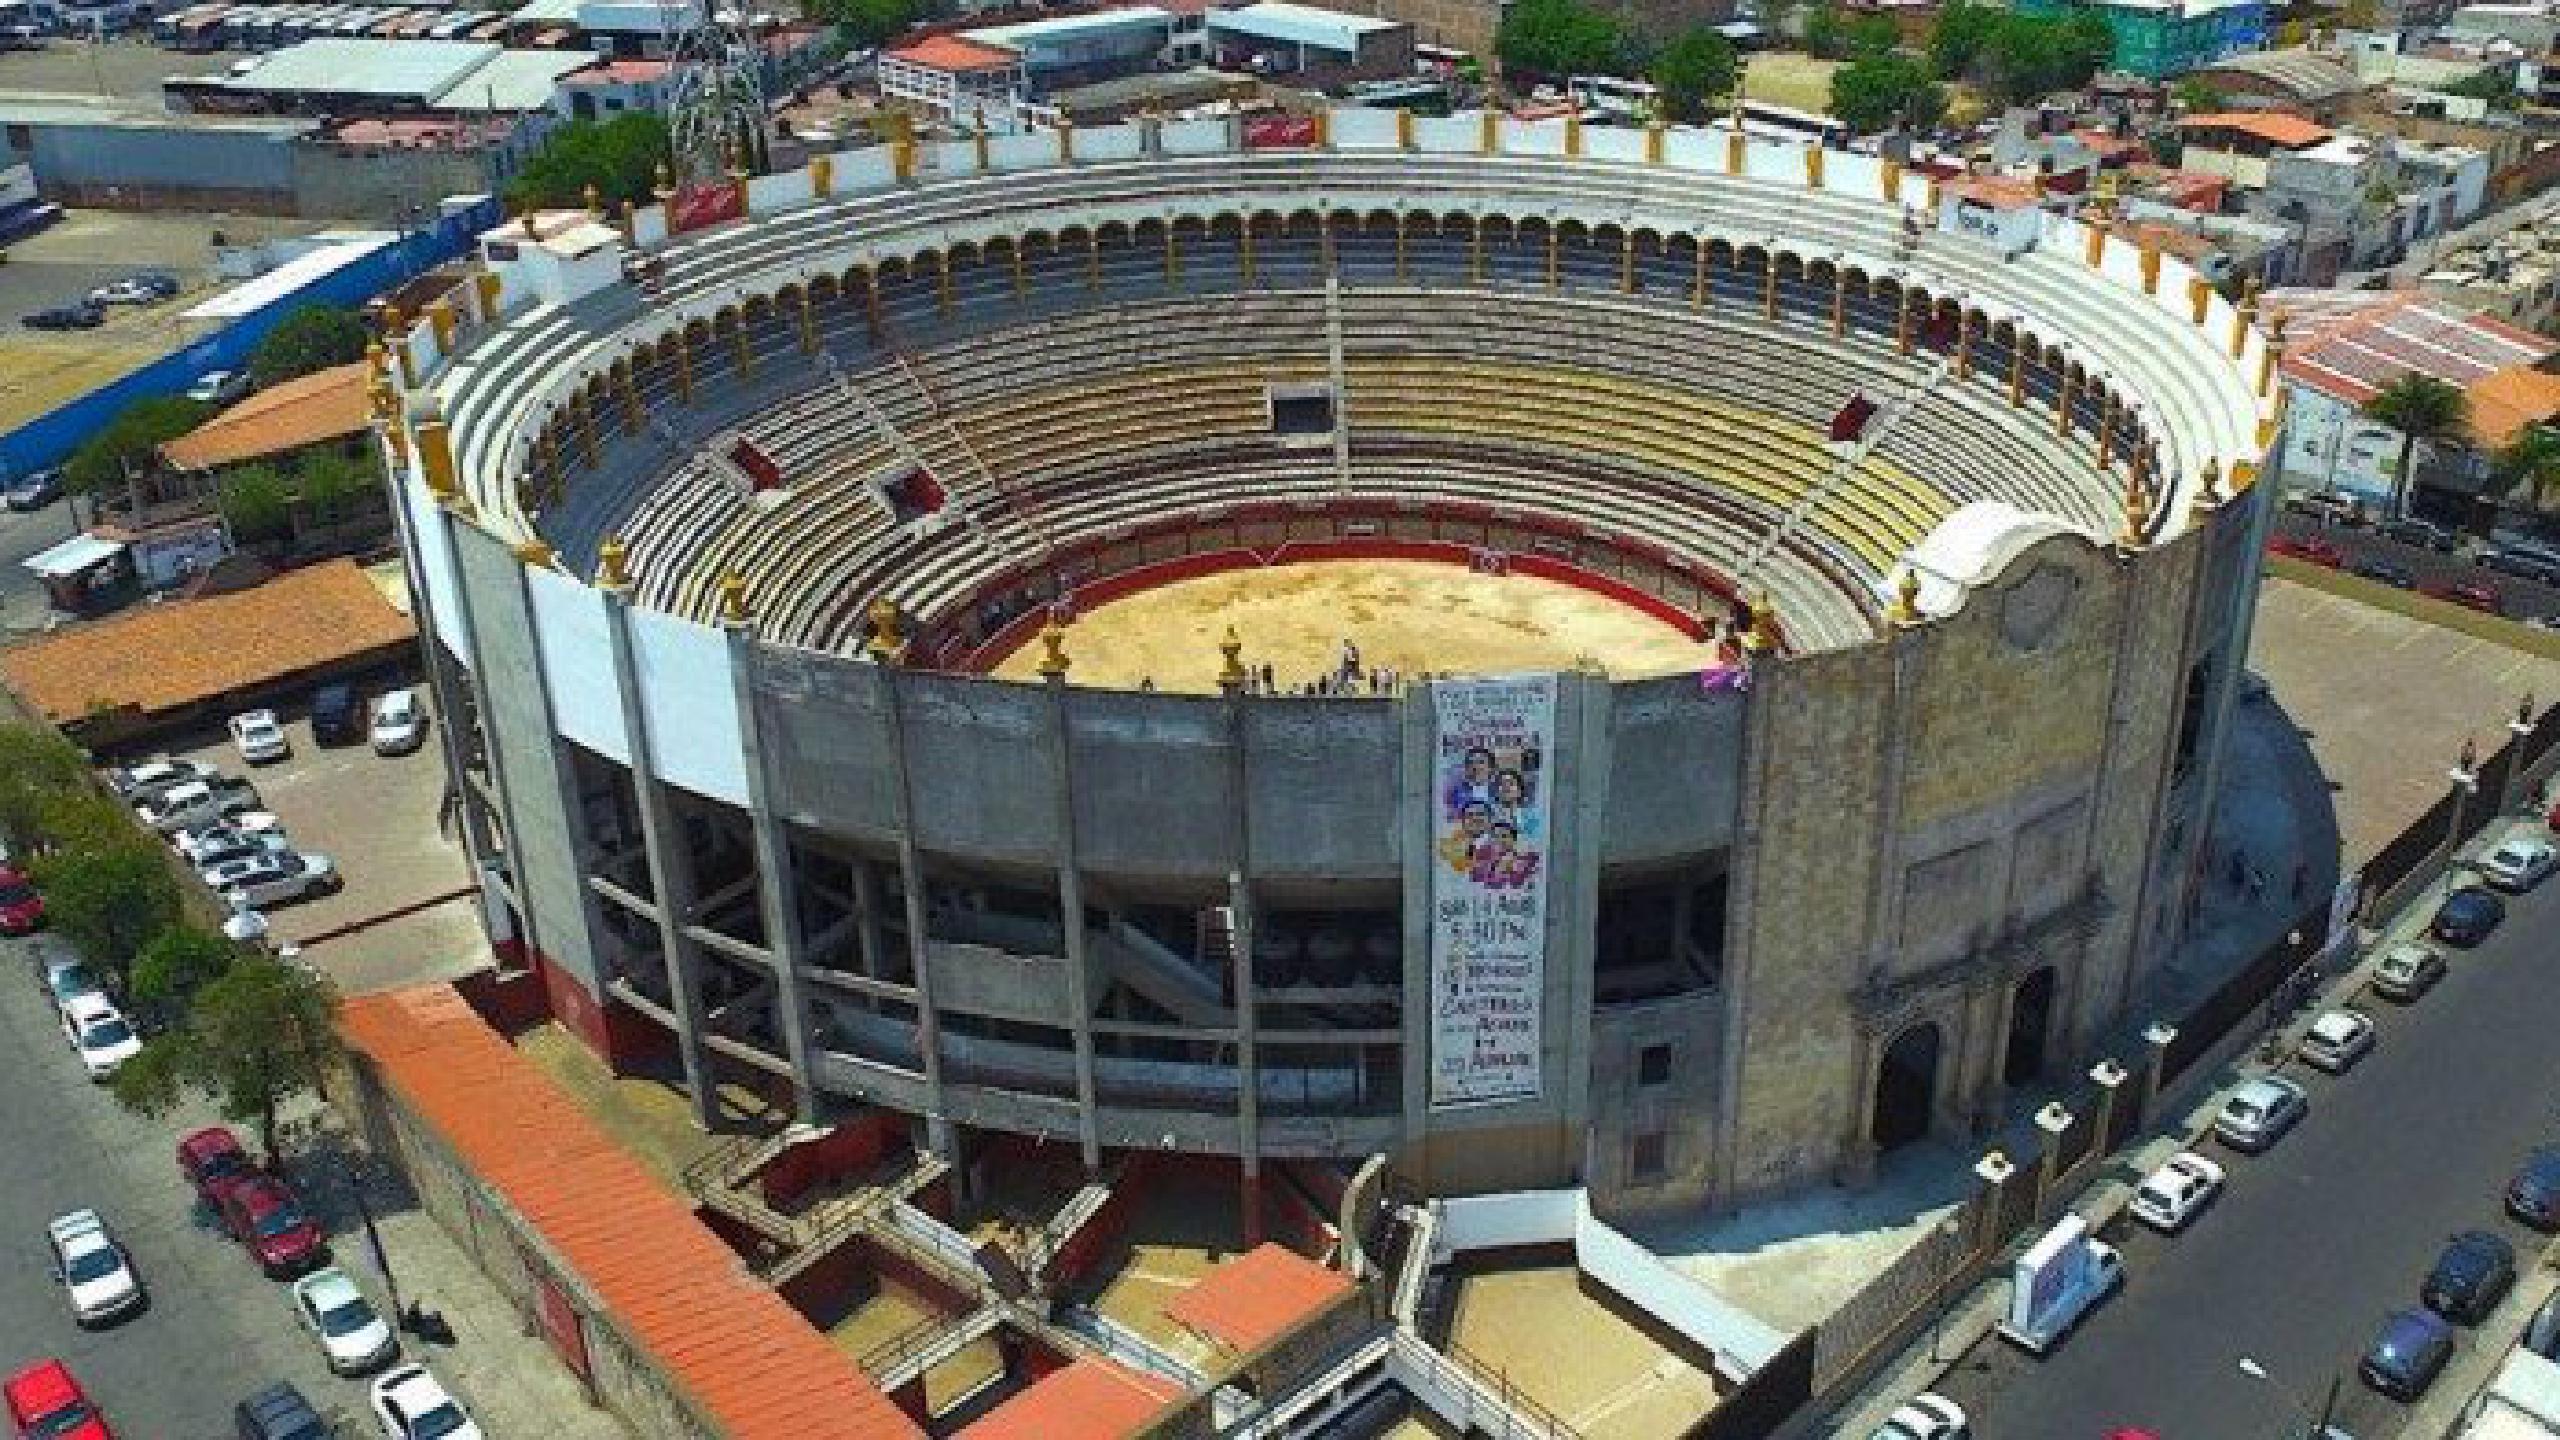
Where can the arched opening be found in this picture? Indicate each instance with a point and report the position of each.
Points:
(2030, 1026)
(1906, 1086)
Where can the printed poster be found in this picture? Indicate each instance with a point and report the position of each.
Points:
(1490, 785)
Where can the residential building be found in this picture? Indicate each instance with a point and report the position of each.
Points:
(2160, 38)
(2222, 248)
(2237, 145)
(1322, 47)
(2515, 278)
(614, 88)
(955, 79)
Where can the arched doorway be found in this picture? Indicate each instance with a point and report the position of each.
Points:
(2030, 1022)
(1906, 1086)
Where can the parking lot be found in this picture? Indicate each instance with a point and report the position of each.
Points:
(375, 817)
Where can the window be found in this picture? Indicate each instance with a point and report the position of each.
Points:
(1653, 1065)
(1647, 1158)
(1302, 410)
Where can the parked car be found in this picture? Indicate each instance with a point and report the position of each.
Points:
(2408, 1353)
(44, 1401)
(95, 1274)
(2519, 864)
(36, 491)
(194, 804)
(193, 841)
(221, 847)
(2256, 1115)
(2309, 549)
(2170, 1196)
(413, 1405)
(336, 719)
(135, 290)
(2337, 1040)
(213, 1161)
(279, 878)
(279, 1413)
(2385, 570)
(261, 741)
(2533, 1196)
(81, 316)
(21, 904)
(352, 1337)
(2407, 972)
(2469, 594)
(1927, 1417)
(2542, 1332)
(66, 978)
(2418, 532)
(2472, 1275)
(137, 783)
(2467, 916)
(219, 387)
(2327, 506)
(262, 1214)
(99, 1035)
(399, 723)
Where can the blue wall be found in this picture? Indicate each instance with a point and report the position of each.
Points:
(49, 439)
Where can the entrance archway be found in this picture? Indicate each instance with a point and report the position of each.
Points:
(1906, 1086)
(2030, 1023)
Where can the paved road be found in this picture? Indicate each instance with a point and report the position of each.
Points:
(2316, 1240)
(22, 604)
(2518, 598)
(215, 1329)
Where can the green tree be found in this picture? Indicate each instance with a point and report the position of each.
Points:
(865, 23)
(1963, 30)
(1557, 38)
(619, 157)
(2420, 407)
(110, 901)
(256, 503)
(333, 483)
(129, 444)
(2527, 468)
(2198, 96)
(1693, 70)
(179, 962)
(257, 1036)
(38, 768)
(1883, 90)
(313, 337)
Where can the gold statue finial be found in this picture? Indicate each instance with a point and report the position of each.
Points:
(666, 181)
(1762, 637)
(1053, 651)
(886, 641)
(611, 571)
(1906, 597)
(594, 199)
(536, 553)
(733, 599)
(2208, 492)
(1231, 675)
(2137, 514)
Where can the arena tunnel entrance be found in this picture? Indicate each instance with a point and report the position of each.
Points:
(2030, 1023)
(1906, 1086)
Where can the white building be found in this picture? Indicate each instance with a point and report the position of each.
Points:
(956, 79)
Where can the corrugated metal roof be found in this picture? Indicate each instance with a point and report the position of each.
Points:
(1091, 1399)
(420, 69)
(1063, 27)
(1257, 1297)
(755, 1367)
(2350, 343)
(1299, 25)
(514, 81)
(289, 278)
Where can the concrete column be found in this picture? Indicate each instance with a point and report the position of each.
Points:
(670, 868)
(1071, 908)
(777, 885)
(1415, 816)
(1902, 323)
(1858, 1147)
(1246, 923)
(1993, 1100)
(2157, 1037)
(869, 940)
(1839, 300)
(1769, 285)
(1698, 283)
(2052, 1122)
(938, 1132)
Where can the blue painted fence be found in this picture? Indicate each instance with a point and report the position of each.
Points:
(49, 439)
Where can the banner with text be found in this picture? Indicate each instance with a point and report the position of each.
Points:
(1490, 787)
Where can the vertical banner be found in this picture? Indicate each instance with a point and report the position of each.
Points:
(1490, 788)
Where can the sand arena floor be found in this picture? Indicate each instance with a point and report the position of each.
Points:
(1411, 615)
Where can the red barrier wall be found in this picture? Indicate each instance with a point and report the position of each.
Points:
(849, 1149)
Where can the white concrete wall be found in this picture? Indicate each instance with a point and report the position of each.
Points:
(690, 704)
(577, 662)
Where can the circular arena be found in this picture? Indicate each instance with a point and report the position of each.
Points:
(1634, 658)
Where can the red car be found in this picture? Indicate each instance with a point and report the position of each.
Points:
(261, 1213)
(21, 908)
(2309, 551)
(2469, 594)
(213, 1162)
(45, 1401)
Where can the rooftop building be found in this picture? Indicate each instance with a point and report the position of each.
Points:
(2160, 38)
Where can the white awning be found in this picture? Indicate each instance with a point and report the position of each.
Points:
(73, 556)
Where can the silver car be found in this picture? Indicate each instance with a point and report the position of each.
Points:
(2256, 1115)
(2337, 1040)
(274, 879)
(2520, 864)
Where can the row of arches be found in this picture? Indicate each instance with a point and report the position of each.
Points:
(1907, 1082)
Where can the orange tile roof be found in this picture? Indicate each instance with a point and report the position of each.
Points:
(161, 657)
(2511, 399)
(2290, 131)
(325, 405)
(2000, 192)
(1091, 1399)
(950, 52)
(1257, 1297)
(754, 1366)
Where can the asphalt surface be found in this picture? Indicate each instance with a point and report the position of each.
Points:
(215, 1330)
(2518, 598)
(23, 534)
(2312, 1243)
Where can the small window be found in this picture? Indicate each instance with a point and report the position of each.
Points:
(1647, 1158)
(1653, 1065)
(1302, 410)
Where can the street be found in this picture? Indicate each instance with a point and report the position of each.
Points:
(22, 604)
(2314, 1242)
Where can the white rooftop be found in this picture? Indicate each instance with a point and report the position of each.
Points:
(1032, 32)
(290, 277)
(422, 69)
(516, 81)
(1298, 24)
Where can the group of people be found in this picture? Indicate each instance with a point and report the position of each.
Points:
(1496, 826)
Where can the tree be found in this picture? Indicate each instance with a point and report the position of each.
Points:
(1692, 71)
(863, 24)
(2420, 407)
(256, 1037)
(1957, 40)
(37, 769)
(110, 901)
(619, 157)
(333, 483)
(2198, 96)
(256, 503)
(2018, 57)
(130, 443)
(2528, 467)
(1884, 90)
(179, 962)
(313, 337)
(1558, 38)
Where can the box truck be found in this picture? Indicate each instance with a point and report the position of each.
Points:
(2055, 1282)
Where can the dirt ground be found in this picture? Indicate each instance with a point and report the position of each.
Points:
(1622, 1384)
(126, 68)
(1789, 77)
(1410, 615)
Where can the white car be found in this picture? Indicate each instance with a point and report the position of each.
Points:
(95, 1273)
(2170, 1196)
(2336, 1040)
(2520, 864)
(195, 840)
(351, 1335)
(195, 803)
(279, 878)
(261, 740)
(137, 783)
(99, 1034)
(1927, 1417)
(219, 387)
(412, 1405)
(399, 723)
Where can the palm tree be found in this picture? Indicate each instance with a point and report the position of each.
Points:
(2420, 407)
(2528, 467)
